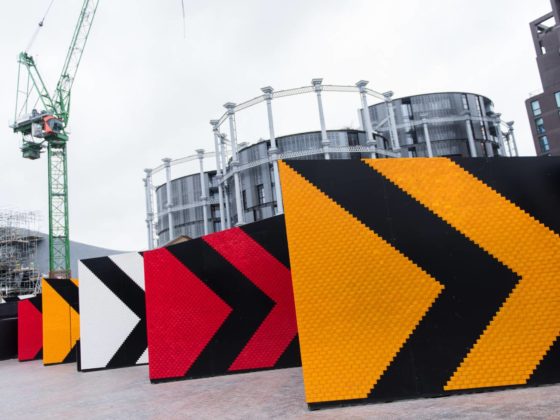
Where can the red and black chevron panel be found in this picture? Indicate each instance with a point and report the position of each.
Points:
(30, 329)
(221, 304)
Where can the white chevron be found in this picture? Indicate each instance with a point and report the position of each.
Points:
(105, 321)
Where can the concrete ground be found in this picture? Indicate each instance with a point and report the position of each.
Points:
(29, 390)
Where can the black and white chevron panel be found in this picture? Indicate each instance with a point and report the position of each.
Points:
(112, 312)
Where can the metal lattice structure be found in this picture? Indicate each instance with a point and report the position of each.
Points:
(59, 255)
(18, 250)
(46, 129)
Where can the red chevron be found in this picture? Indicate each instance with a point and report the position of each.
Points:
(30, 331)
(193, 314)
(279, 328)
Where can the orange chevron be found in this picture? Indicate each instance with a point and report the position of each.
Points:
(528, 323)
(358, 299)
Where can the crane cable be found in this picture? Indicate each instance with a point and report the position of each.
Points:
(39, 26)
(184, 19)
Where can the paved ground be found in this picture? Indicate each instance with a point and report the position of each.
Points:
(29, 390)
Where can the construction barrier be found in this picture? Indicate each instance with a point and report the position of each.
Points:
(30, 328)
(8, 328)
(112, 312)
(424, 277)
(61, 321)
(221, 304)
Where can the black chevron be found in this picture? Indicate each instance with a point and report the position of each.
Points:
(249, 304)
(529, 188)
(67, 291)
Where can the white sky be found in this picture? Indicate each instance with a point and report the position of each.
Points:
(144, 92)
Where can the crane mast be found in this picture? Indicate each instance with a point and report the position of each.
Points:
(46, 129)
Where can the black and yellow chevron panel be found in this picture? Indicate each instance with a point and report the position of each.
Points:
(61, 321)
(424, 277)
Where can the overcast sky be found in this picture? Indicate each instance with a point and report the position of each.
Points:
(145, 92)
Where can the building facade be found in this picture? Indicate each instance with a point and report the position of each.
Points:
(256, 177)
(544, 109)
(245, 187)
(446, 124)
(188, 216)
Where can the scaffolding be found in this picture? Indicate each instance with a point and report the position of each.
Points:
(18, 252)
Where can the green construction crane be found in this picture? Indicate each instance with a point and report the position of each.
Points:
(46, 129)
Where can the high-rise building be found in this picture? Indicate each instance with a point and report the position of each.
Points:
(544, 108)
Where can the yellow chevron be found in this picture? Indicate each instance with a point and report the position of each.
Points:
(528, 323)
(357, 298)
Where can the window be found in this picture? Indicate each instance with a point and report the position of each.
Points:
(215, 210)
(257, 215)
(543, 140)
(536, 108)
(353, 139)
(406, 110)
(244, 201)
(260, 193)
(465, 101)
(557, 95)
(540, 126)
(483, 131)
(478, 107)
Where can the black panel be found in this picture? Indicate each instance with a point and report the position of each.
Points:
(8, 309)
(8, 338)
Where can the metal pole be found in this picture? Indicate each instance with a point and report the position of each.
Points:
(500, 135)
(230, 106)
(169, 204)
(273, 150)
(427, 137)
(149, 208)
(394, 134)
(226, 189)
(470, 135)
(325, 142)
(204, 193)
(220, 172)
(508, 139)
(511, 131)
(366, 118)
